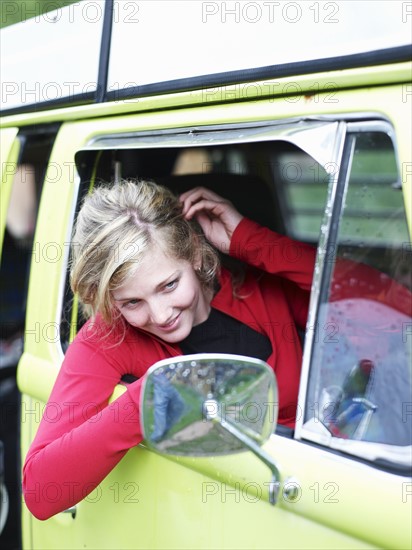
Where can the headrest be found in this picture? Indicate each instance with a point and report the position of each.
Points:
(249, 194)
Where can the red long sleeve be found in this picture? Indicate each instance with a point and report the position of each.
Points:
(275, 302)
(81, 437)
(292, 261)
(273, 253)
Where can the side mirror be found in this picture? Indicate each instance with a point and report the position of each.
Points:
(211, 404)
(190, 403)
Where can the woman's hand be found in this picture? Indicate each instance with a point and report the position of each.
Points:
(217, 216)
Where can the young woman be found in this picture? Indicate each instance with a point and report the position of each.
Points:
(146, 268)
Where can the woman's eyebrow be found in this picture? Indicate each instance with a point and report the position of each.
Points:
(123, 299)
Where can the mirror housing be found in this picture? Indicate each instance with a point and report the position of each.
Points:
(208, 404)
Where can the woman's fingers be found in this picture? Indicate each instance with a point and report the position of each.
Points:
(216, 215)
(209, 207)
(197, 195)
(200, 198)
(200, 191)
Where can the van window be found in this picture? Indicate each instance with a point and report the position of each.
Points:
(360, 376)
(268, 181)
(303, 185)
(28, 176)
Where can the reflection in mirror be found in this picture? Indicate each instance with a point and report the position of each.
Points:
(187, 399)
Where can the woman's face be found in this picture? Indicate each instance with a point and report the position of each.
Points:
(164, 297)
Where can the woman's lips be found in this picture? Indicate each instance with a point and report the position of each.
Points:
(172, 325)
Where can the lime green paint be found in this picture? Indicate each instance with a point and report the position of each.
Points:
(172, 504)
(36, 376)
(7, 137)
(332, 489)
(318, 87)
(15, 11)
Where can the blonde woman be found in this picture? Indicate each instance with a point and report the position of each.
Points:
(147, 271)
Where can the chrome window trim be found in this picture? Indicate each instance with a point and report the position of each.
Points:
(193, 133)
(290, 130)
(317, 279)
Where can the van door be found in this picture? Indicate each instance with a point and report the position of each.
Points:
(328, 493)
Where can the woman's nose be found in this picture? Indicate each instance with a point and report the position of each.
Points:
(160, 313)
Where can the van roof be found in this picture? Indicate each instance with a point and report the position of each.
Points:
(103, 51)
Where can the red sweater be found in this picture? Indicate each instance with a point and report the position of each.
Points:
(82, 437)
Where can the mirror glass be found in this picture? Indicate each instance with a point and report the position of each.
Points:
(186, 399)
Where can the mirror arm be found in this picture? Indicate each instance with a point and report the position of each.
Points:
(274, 486)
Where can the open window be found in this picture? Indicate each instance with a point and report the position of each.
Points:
(276, 174)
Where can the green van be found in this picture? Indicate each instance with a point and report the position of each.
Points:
(300, 114)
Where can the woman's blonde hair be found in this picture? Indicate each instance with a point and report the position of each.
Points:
(116, 226)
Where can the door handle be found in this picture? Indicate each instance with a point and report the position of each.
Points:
(292, 490)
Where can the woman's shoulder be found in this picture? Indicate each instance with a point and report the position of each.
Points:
(103, 347)
(96, 332)
(117, 339)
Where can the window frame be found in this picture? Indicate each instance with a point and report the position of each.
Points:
(377, 454)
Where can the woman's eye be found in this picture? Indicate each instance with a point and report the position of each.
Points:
(172, 285)
(131, 303)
